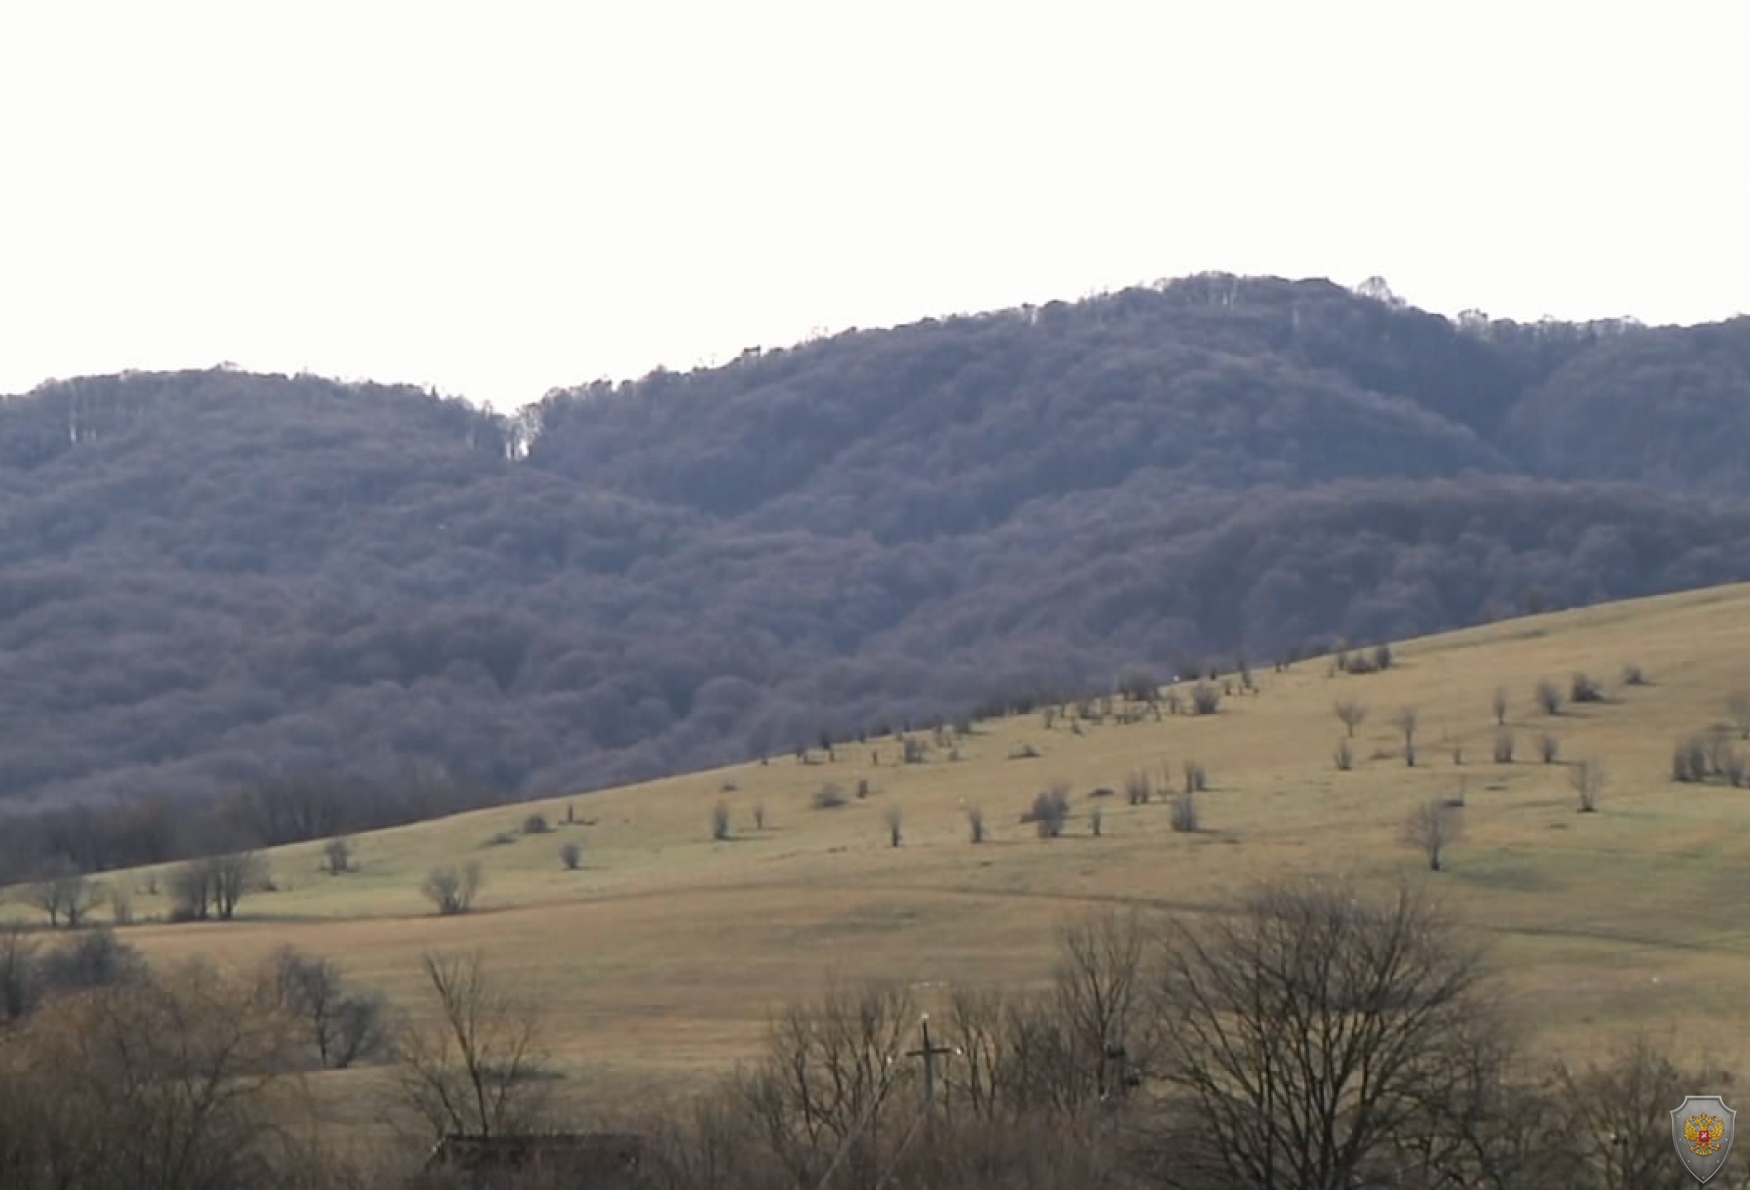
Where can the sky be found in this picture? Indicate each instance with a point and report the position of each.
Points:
(497, 199)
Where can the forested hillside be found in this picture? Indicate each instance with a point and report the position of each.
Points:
(210, 580)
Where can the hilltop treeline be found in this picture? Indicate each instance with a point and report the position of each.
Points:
(214, 580)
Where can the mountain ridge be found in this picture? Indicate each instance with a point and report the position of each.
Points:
(213, 579)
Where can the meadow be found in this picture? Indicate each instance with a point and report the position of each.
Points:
(660, 957)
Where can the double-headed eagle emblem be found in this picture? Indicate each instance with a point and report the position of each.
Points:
(1702, 1132)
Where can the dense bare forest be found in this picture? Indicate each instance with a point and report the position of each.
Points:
(214, 580)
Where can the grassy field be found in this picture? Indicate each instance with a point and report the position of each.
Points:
(661, 957)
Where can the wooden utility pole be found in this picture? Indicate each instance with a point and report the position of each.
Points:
(929, 1053)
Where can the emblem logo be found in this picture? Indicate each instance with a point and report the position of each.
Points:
(1701, 1128)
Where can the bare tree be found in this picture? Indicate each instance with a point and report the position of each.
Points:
(337, 856)
(975, 823)
(720, 821)
(1344, 756)
(1432, 827)
(1500, 706)
(1549, 697)
(1587, 778)
(343, 1026)
(1049, 811)
(234, 875)
(469, 1065)
(1300, 1035)
(571, 855)
(893, 819)
(1405, 721)
(65, 893)
(1205, 699)
(1350, 713)
(452, 890)
(1738, 712)
(1183, 815)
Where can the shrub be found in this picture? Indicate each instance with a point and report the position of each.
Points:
(828, 797)
(864, 789)
(1096, 817)
(1382, 657)
(1050, 810)
(720, 822)
(1689, 762)
(1185, 818)
(1504, 745)
(337, 856)
(1583, 689)
(1196, 777)
(893, 818)
(571, 855)
(975, 823)
(452, 890)
(1548, 696)
(1499, 706)
(1138, 789)
(1587, 778)
(1205, 699)
(536, 824)
(1548, 747)
(759, 816)
(1344, 756)
(1633, 675)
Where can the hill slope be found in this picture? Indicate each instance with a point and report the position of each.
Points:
(664, 952)
(212, 579)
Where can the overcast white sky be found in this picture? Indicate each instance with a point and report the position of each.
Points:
(501, 198)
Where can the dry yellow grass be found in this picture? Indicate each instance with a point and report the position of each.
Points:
(664, 954)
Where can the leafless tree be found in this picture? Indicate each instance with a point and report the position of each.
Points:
(1344, 756)
(1405, 721)
(1587, 778)
(1500, 706)
(893, 818)
(1549, 697)
(453, 890)
(1738, 712)
(337, 856)
(720, 821)
(1432, 827)
(342, 1025)
(470, 1064)
(571, 855)
(1205, 699)
(1350, 713)
(65, 893)
(1299, 1037)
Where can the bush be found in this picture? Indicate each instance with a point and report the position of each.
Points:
(893, 818)
(1504, 746)
(1587, 778)
(337, 856)
(1185, 819)
(1138, 789)
(1583, 689)
(536, 824)
(1632, 675)
(1205, 699)
(1050, 810)
(1548, 747)
(720, 822)
(1196, 777)
(1344, 756)
(1689, 762)
(1096, 817)
(828, 797)
(975, 823)
(452, 890)
(1548, 696)
(571, 855)
(759, 816)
